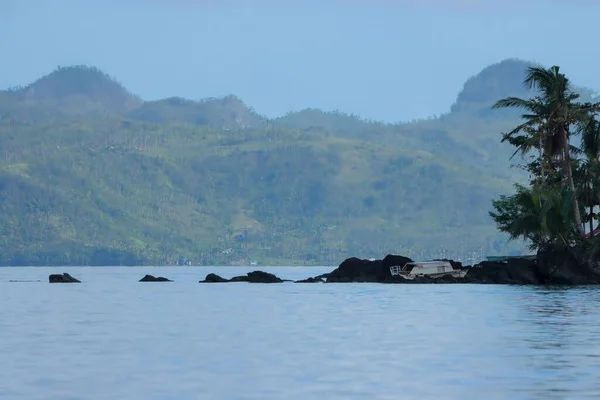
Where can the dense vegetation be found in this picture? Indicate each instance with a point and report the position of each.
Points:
(92, 175)
(564, 189)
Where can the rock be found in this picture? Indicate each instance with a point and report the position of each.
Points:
(243, 278)
(561, 265)
(322, 276)
(251, 277)
(64, 278)
(357, 270)
(316, 279)
(446, 279)
(393, 260)
(489, 272)
(262, 277)
(213, 278)
(150, 278)
(416, 280)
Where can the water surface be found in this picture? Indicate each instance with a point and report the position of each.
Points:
(114, 338)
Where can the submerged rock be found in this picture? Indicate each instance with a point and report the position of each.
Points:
(62, 278)
(150, 278)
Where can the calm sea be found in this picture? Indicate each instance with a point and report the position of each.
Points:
(114, 338)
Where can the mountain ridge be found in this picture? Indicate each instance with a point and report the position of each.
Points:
(214, 182)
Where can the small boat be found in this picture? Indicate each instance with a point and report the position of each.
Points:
(433, 269)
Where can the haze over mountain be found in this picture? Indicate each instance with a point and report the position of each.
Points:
(389, 60)
(91, 174)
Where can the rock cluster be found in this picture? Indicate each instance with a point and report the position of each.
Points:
(251, 277)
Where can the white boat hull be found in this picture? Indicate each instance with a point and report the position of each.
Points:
(455, 273)
(433, 269)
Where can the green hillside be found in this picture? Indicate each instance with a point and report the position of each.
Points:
(92, 175)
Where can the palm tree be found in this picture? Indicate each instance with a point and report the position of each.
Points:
(551, 114)
(532, 133)
(588, 179)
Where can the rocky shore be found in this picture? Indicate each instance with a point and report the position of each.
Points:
(553, 265)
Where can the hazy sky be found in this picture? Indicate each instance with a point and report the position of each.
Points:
(382, 59)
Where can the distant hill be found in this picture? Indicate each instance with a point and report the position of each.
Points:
(90, 174)
(77, 90)
(494, 82)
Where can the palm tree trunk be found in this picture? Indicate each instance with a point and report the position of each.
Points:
(569, 172)
(591, 220)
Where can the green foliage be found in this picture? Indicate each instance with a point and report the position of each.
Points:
(91, 175)
(539, 214)
(562, 185)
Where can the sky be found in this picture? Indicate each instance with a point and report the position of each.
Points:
(389, 60)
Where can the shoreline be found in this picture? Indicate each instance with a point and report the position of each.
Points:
(554, 265)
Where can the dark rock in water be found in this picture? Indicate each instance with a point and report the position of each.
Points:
(150, 278)
(357, 270)
(64, 278)
(213, 278)
(316, 279)
(251, 277)
(262, 277)
(243, 278)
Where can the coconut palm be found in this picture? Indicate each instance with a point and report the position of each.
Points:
(551, 114)
(532, 133)
(588, 173)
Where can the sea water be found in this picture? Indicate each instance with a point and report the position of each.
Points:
(112, 337)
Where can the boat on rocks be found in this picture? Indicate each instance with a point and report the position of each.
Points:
(432, 269)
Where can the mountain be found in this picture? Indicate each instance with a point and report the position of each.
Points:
(69, 91)
(92, 175)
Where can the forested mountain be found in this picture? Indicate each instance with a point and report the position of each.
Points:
(91, 174)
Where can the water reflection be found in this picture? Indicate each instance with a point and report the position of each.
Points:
(558, 325)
